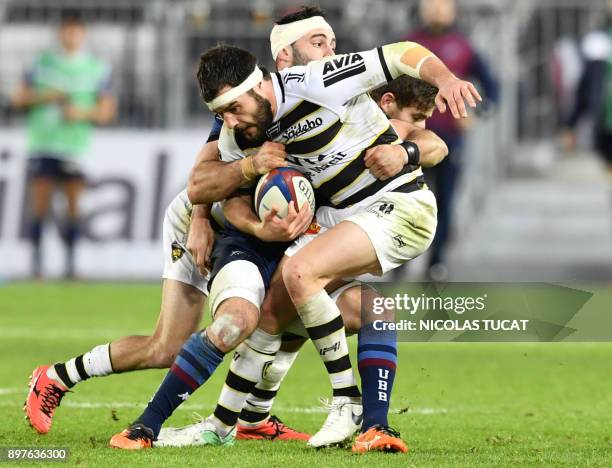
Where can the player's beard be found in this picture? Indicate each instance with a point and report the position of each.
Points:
(298, 58)
(263, 119)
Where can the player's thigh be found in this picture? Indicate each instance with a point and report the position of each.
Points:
(180, 314)
(277, 310)
(400, 226)
(179, 265)
(342, 251)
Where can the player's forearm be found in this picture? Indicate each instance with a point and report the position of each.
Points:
(201, 212)
(410, 58)
(432, 148)
(104, 112)
(26, 97)
(436, 73)
(212, 180)
(238, 211)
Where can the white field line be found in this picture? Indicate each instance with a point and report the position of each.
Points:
(195, 406)
(60, 333)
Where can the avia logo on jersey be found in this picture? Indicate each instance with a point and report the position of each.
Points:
(343, 67)
(302, 127)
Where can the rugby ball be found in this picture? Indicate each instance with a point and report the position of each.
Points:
(278, 188)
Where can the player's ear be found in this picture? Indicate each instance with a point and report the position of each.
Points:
(387, 102)
(284, 58)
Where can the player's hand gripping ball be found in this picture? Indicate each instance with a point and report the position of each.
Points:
(278, 188)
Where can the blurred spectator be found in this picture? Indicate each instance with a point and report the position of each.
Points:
(65, 92)
(594, 93)
(438, 33)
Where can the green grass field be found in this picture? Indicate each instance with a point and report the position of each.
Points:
(455, 404)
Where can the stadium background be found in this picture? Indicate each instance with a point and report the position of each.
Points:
(525, 210)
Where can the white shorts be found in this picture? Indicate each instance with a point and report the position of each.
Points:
(239, 278)
(401, 226)
(178, 262)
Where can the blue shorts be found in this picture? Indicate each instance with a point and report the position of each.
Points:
(231, 245)
(49, 166)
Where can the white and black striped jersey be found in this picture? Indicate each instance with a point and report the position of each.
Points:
(327, 121)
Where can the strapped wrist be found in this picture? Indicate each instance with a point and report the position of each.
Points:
(248, 168)
(412, 151)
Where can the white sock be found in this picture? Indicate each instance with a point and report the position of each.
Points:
(324, 325)
(95, 363)
(261, 399)
(250, 361)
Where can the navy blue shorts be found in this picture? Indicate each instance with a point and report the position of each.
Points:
(48, 166)
(231, 245)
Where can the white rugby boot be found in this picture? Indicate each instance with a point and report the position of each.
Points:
(344, 420)
(202, 432)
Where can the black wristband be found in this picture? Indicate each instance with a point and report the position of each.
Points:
(414, 155)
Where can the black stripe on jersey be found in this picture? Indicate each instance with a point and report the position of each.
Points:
(383, 64)
(344, 74)
(371, 189)
(240, 384)
(353, 170)
(280, 84)
(326, 329)
(339, 365)
(300, 111)
(315, 143)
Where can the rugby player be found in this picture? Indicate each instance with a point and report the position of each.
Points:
(383, 163)
(249, 102)
(413, 101)
(188, 242)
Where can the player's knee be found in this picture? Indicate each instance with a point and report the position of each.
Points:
(296, 272)
(235, 320)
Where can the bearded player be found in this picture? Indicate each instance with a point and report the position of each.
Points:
(249, 102)
(188, 240)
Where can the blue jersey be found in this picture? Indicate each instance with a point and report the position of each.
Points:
(215, 131)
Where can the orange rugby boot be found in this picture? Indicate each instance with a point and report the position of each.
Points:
(270, 429)
(44, 396)
(135, 437)
(379, 438)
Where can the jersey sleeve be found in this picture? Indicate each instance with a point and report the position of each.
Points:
(228, 148)
(215, 131)
(105, 85)
(334, 81)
